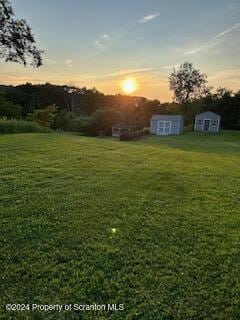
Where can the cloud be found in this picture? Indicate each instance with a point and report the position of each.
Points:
(50, 61)
(125, 72)
(105, 37)
(97, 43)
(148, 18)
(69, 62)
(227, 77)
(172, 66)
(102, 40)
(213, 41)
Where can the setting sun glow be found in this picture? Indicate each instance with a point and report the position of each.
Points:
(129, 85)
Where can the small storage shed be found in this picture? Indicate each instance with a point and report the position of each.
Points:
(164, 125)
(207, 122)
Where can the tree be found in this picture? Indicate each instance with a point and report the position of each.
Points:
(9, 109)
(44, 117)
(223, 92)
(143, 112)
(102, 121)
(225, 103)
(17, 42)
(187, 83)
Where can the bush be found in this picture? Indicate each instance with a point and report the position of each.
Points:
(145, 131)
(188, 128)
(69, 122)
(102, 121)
(44, 117)
(79, 124)
(62, 121)
(234, 127)
(99, 123)
(21, 126)
(9, 109)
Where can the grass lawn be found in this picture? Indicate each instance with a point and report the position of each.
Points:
(174, 202)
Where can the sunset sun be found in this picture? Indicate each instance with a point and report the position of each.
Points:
(129, 85)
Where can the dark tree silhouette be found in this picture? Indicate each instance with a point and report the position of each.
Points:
(77, 106)
(187, 83)
(17, 42)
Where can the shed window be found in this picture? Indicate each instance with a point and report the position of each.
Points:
(199, 122)
(214, 123)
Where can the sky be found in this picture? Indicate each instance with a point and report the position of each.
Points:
(98, 43)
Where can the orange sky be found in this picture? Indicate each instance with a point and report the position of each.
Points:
(140, 39)
(151, 83)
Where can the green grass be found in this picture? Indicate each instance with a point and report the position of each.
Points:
(21, 126)
(174, 202)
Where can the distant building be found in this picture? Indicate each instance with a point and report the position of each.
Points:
(164, 125)
(207, 122)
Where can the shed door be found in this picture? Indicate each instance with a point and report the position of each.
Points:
(206, 125)
(164, 128)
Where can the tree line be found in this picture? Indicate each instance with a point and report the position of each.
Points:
(80, 109)
(75, 108)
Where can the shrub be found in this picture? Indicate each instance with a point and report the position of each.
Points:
(62, 121)
(69, 122)
(188, 128)
(43, 117)
(99, 123)
(102, 121)
(21, 126)
(145, 131)
(9, 109)
(79, 124)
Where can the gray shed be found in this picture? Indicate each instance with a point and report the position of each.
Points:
(207, 122)
(164, 125)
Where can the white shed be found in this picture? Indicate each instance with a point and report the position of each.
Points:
(207, 122)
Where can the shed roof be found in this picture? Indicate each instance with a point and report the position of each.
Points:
(208, 113)
(167, 117)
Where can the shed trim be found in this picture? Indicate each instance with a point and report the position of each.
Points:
(218, 124)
